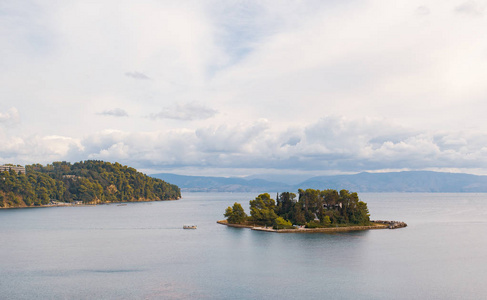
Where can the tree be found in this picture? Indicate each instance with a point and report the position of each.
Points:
(361, 214)
(286, 204)
(326, 221)
(235, 214)
(263, 209)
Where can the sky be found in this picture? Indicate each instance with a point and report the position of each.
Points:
(235, 88)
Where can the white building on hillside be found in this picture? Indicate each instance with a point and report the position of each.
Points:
(17, 169)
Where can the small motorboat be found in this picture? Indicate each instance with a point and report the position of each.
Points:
(190, 226)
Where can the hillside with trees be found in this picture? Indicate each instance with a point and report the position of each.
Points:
(312, 208)
(86, 182)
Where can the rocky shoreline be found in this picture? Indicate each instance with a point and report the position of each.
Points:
(391, 224)
(375, 225)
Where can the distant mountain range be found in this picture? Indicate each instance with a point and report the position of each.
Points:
(222, 184)
(407, 181)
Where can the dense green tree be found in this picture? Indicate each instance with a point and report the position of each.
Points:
(285, 204)
(312, 202)
(263, 209)
(235, 214)
(298, 215)
(314, 208)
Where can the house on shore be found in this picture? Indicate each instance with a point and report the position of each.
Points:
(18, 169)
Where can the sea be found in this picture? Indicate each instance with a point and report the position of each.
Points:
(141, 251)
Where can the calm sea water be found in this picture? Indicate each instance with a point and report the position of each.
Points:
(140, 251)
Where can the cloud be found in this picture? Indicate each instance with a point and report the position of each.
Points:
(422, 10)
(137, 75)
(116, 112)
(143, 149)
(242, 138)
(342, 87)
(471, 8)
(331, 144)
(187, 112)
(292, 141)
(241, 26)
(11, 117)
(37, 148)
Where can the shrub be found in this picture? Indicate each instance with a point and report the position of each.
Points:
(313, 224)
(281, 223)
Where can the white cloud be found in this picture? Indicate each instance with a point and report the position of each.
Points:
(118, 151)
(37, 149)
(11, 117)
(238, 139)
(137, 75)
(422, 10)
(116, 112)
(472, 8)
(325, 145)
(332, 144)
(187, 111)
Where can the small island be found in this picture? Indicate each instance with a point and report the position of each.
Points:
(313, 211)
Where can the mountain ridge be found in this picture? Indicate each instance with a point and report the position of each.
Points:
(404, 181)
(220, 184)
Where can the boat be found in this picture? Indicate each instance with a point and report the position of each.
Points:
(190, 226)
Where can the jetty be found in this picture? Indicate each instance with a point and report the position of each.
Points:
(391, 224)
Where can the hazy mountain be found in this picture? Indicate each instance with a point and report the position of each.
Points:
(221, 184)
(411, 181)
(289, 179)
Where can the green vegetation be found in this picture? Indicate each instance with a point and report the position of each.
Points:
(235, 214)
(313, 209)
(88, 182)
(263, 210)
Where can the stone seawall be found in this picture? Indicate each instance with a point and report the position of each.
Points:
(325, 230)
(375, 225)
(224, 222)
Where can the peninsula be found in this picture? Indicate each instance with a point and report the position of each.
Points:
(313, 211)
(87, 182)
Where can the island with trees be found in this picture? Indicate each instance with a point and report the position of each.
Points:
(86, 182)
(310, 211)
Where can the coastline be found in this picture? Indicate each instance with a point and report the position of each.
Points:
(83, 205)
(376, 225)
(49, 205)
